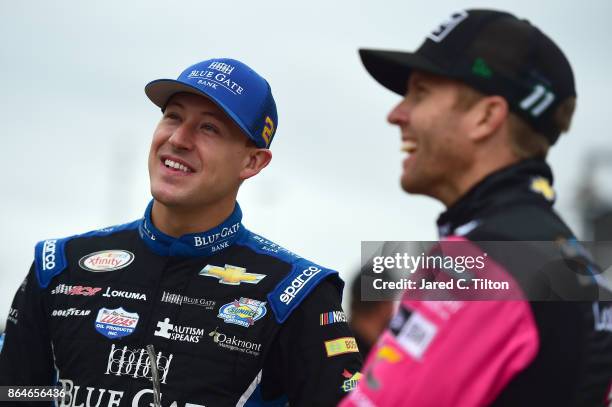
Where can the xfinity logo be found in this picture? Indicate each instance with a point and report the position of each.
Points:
(135, 363)
(298, 283)
(48, 254)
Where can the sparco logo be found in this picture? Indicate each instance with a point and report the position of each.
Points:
(106, 260)
(135, 363)
(298, 283)
(48, 254)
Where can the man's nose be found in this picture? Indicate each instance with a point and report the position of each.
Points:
(182, 137)
(399, 114)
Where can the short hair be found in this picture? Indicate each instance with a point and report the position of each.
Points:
(525, 141)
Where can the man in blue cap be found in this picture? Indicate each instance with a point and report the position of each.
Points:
(186, 307)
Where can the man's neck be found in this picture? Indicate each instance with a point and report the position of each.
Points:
(466, 180)
(178, 221)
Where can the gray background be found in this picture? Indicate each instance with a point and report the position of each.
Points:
(76, 124)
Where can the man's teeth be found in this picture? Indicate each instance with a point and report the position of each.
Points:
(176, 166)
(409, 146)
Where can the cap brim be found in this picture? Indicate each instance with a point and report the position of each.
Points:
(393, 68)
(161, 90)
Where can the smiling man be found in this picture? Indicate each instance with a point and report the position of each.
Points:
(483, 99)
(185, 307)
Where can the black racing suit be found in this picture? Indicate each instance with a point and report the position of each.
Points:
(233, 319)
(501, 353)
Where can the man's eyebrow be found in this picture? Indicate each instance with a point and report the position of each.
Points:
(203, 112)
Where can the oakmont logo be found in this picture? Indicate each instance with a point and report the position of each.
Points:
(233, 343)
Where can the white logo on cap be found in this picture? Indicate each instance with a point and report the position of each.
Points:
(541, 95)
(447, 26)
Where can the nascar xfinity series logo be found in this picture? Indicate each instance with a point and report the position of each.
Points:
(106, 260)
(116, 323)
(243, 312)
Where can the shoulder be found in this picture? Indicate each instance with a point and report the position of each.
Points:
(297, 285)
(50, 254)
(521, 222)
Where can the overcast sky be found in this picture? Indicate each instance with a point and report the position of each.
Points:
(77, 125)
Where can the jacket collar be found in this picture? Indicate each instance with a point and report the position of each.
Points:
(203, 243)
(528, 181)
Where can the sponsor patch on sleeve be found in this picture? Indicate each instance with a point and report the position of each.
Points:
(413, 332)
(341, 346)
(332, 317)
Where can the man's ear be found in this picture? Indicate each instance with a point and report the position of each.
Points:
(487, 116)
(256, 160)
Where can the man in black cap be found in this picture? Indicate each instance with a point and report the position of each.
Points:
(484, 98)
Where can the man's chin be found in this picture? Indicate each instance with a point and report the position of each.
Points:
(411, 185)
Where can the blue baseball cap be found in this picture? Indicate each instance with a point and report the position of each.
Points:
(239, 91)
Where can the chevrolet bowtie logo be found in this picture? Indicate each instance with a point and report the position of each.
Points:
(231, 275)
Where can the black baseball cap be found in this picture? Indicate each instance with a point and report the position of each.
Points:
(493, 52)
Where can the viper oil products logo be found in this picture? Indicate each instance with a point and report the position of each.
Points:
(116, 323)
(231, 275)
(106, 260)
(243, 312)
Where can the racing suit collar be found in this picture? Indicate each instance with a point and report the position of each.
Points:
(527, 181)
(203, 243)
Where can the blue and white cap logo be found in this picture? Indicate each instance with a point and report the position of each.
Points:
(243, 312)
(239, 91)
(116, 323)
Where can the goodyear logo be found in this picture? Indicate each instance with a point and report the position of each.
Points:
(231, 275)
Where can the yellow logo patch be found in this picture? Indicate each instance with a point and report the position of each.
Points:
(340, 346)
(268, 131)
(231, 275)
(543, 187)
